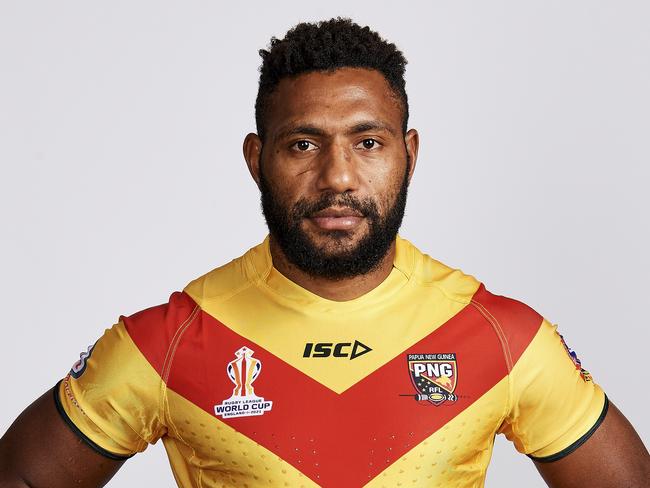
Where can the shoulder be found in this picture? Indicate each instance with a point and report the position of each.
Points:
(458, 285)
(513, 321)
(511, 314)
(152, 330)
(155, 329)
(428, 272)
(227, 280)
(160, 319)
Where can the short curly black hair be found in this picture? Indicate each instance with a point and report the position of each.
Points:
(327, 46)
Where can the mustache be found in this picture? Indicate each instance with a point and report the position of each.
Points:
(305, 208)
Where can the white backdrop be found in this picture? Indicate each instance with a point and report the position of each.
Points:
(122, 177)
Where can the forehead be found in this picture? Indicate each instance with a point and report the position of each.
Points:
(334, 98)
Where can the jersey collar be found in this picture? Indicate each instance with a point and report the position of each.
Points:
(259, 266)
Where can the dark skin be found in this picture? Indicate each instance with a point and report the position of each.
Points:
(40, 451)
(337, 132)
(614, 456)
(319, 137)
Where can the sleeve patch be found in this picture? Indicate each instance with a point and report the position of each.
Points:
(79, 367)
(584, 374)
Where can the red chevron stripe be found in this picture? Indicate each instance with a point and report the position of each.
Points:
(336, 440)
(347, 439)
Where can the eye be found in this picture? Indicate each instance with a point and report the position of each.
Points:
(369, 143)
(303, 145)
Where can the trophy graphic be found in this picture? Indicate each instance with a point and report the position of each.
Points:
(243, 371)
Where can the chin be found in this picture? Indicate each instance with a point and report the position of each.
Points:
(336, 241)
(318, 235)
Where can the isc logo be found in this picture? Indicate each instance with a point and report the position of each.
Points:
(340, 350)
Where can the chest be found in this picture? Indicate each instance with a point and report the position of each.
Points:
(241, 411)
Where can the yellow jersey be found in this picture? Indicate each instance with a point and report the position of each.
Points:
(251, 380)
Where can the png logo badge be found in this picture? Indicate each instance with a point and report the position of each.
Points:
(434, 377)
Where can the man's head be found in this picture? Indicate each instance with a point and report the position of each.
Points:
(327, 46)
(332, 156)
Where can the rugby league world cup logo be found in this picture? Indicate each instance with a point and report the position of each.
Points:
(243, 371)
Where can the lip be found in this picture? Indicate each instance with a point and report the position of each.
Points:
(337, 218)
(337, 212)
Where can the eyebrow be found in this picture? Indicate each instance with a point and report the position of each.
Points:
(312, 130)
(309, 130)
(370, 125)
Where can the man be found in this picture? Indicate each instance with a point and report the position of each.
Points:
(335, 353)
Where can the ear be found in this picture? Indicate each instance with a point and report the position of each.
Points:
(252, 153)
(412, 143)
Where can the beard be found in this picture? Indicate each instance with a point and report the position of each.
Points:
(343, 259)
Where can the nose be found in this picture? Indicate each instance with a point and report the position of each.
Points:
(337, 170)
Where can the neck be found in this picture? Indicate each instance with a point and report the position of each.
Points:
(339, 290)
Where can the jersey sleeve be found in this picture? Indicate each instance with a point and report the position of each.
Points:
(113, 396)
(554, 405)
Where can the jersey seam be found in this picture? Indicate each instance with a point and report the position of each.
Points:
(505, 347)
(173, 345)
(414, 266)
(499, 331)
(167, 366)
(199, 477)
(430, 284)
(167, 363)
(224, 297)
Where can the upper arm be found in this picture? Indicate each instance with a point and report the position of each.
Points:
(40, 450)
(614, 456)
(564, 422)
(111, 401)
(81, 431)
(114, 396)
(554, 405)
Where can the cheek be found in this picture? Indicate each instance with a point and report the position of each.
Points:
(280, 185)
(290, 178)
(385, 186)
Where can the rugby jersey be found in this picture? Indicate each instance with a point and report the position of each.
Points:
(252, 380)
